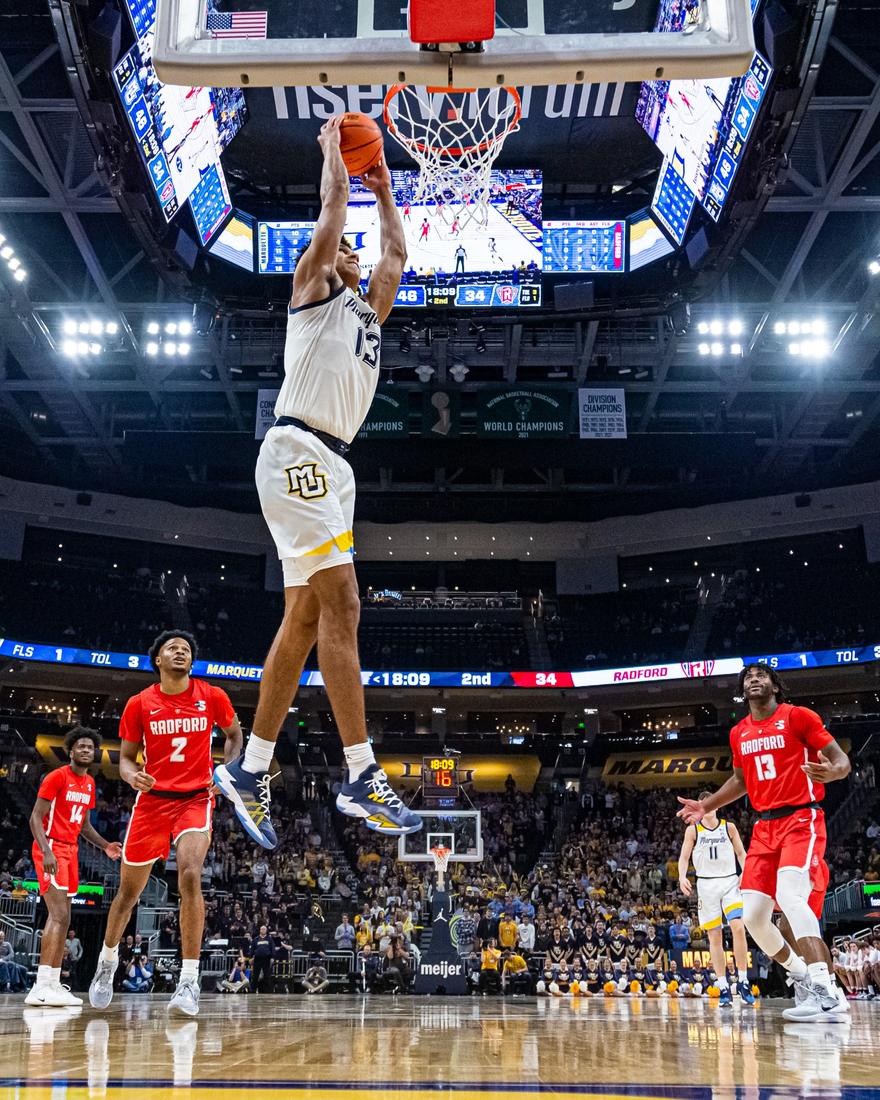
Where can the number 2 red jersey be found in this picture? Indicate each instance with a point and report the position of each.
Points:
(70, 797)
(176, 733)
(771, 752)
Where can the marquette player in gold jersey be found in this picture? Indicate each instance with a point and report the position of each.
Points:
(715, 846)
(307, 491)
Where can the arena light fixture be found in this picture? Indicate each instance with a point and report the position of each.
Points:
(20, 275)
(152, 328)
(152, 348)
(6, 251)
(716, 328)
(735, 327)
(704, 348)
(717, 348)
(703, 328)
(874, 266)
(171, 328)
(183, 349)
(69, 327)
(170, 348)
(184, 328)
(736, 349)
(779, 328)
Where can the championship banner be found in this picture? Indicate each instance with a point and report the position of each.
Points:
(523, 413)
(388, 416)
(265, 412)
(602, 413)
(698, 767)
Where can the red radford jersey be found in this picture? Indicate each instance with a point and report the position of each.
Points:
(176, 732)
(70, 796)
(771, 752)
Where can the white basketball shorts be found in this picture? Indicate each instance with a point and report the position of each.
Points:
(307, 496)
(718, 898)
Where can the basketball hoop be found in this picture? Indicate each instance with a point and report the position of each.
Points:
(455, 136)
(440, 856)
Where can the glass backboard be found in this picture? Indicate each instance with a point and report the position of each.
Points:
(459, 830)
(536, 42)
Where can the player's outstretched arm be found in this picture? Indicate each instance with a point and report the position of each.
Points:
(315, 276)
(387, 273)
(112, 849)
(692, 811)
(40, 810)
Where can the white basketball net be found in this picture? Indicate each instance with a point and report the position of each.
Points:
(454, 135)
(441, 855)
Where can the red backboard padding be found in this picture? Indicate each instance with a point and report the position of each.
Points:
(433, 21)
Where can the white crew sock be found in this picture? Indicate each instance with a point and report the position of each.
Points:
(189, 968)
(258, 754)
(110, 954)
(44, 975)
(819, 974)
(722, 983)
(358, 758)
(795, 965)
(742, 976)
(55, 975)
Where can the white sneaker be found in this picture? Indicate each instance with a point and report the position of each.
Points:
(36, 998)
(52, 995)
(814, 1002)
(59, 996)
(186, 998)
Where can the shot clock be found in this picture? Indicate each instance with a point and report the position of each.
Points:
(439, 777)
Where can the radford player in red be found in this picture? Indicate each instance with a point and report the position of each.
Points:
(172, 722)
(782, 758)
(60, 816)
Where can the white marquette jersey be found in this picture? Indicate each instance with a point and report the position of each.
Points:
(331, 363)
(713, 853)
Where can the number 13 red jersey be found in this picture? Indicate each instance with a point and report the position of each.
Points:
(176, 732)
(771, 752)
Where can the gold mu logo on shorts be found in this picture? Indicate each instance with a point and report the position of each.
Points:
(306, 481)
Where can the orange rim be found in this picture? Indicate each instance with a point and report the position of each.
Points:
(450, 150)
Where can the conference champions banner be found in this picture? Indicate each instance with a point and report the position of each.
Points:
(523, 413)
(265, 412)
(397, 678)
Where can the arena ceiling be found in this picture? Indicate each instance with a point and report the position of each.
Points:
(700, 428)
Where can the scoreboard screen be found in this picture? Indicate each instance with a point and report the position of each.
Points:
(595, 247)
(440, 777)
(278, 245)
(673, 203)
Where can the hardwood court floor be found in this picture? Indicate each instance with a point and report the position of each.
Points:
(350, 1048)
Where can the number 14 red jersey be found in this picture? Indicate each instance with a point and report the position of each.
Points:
(771, 752)
(176, 732)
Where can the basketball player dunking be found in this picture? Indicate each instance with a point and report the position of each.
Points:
(782, 757)
(307, 491)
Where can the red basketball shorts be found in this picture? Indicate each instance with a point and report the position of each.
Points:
(787, 843)
(819, 876)
(157, 820)
(66, 878)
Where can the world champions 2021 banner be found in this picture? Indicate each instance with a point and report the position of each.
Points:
(602, 677)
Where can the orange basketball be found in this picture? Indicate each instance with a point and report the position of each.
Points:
(360, 142)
